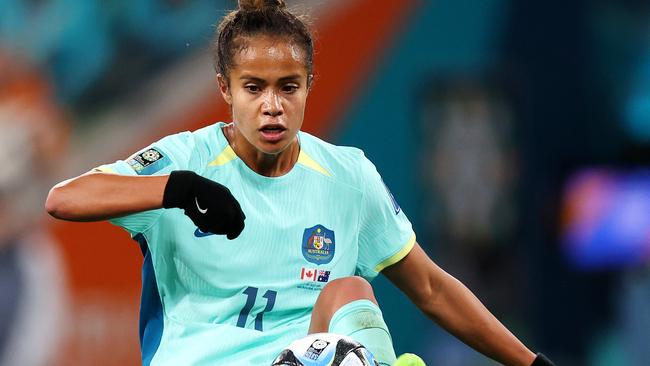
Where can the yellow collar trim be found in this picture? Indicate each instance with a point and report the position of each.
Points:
(228, 155)
(225, 157)
(307, 161)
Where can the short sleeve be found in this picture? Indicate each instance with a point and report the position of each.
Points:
(162, 157)
(385, 234)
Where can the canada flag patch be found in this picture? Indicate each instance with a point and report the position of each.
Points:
(314, 275)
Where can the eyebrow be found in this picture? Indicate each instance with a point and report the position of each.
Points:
(259, 80)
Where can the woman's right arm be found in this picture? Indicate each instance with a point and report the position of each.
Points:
(97, 196)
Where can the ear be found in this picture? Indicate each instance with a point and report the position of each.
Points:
(224, 88)
(310, 82)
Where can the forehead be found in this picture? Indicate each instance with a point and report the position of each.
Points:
(267, 56)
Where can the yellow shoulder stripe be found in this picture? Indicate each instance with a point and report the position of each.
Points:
(307, 161)
(226, 156)
(406, 249)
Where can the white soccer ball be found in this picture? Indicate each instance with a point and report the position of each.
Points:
(325, 349)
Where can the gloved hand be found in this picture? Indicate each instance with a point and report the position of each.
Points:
(209, 204)
(541, 360)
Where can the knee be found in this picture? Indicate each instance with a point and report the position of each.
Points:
(347, 289)
(335, 295)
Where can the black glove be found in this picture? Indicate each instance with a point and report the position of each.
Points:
(541, 360)
(209, 204)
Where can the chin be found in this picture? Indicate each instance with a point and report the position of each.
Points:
(273, 148)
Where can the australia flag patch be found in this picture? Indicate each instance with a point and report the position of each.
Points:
(318, 244)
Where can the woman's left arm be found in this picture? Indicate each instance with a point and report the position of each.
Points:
(453, 306)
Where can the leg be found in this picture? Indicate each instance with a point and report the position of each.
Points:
(348, 306)
(337, 293)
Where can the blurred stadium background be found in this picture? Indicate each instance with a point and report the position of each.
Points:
(515, 134)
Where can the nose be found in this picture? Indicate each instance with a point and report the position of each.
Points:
(272, 105)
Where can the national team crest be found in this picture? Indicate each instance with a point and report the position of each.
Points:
(318, 244)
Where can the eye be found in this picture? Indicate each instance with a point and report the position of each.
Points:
(252, 88)
(290, 88)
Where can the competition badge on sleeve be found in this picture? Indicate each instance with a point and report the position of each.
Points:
(318, 245)
(148, 162)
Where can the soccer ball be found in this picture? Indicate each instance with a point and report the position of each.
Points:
(325, 349)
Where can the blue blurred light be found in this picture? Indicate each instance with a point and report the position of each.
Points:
(607, 218)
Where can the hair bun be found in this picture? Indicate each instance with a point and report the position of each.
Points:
(259, 5)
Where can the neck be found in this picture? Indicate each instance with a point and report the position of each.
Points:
(269, 165)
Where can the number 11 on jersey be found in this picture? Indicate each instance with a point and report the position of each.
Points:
(251, 297)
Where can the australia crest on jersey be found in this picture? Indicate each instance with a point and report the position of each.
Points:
(318, 244)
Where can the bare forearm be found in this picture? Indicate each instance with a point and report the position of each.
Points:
(452, 305)
(457, 310)
(99, 196)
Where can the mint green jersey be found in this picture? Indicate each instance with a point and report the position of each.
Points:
(207, 300)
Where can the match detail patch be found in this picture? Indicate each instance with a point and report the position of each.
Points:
(148, 162)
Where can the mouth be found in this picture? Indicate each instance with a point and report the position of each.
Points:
(272, 133)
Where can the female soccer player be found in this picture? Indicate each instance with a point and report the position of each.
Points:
(290, 245)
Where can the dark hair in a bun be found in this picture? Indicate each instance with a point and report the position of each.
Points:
(259, 17)
(252, 5)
